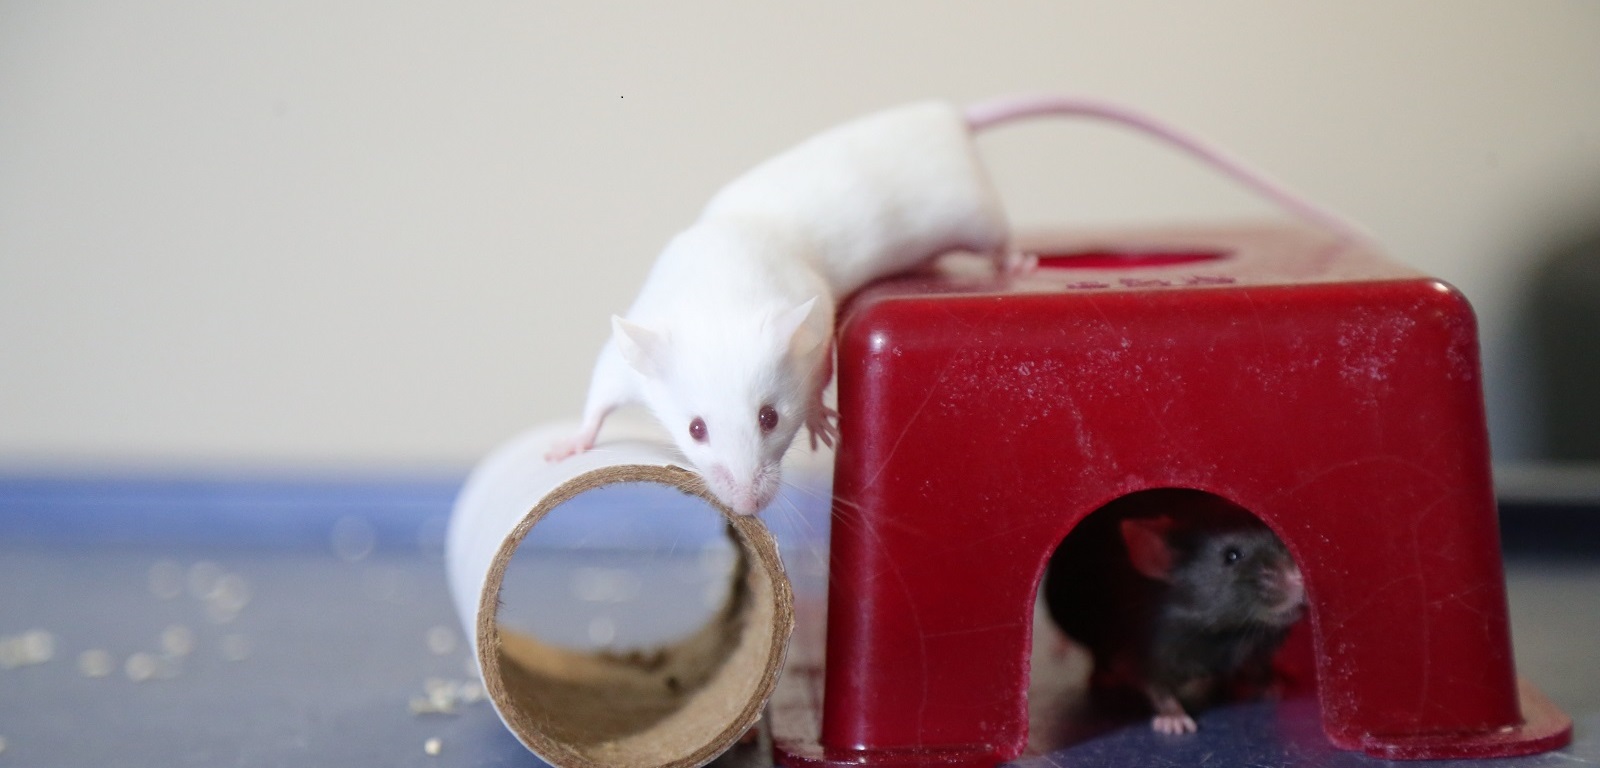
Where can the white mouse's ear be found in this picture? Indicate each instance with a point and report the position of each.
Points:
(800, 327)
(643, 349)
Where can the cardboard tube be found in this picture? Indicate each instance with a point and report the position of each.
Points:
(679, 705)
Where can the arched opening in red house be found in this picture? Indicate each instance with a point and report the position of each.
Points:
(1158, 607)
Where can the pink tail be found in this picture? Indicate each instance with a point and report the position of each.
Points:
(988, 114)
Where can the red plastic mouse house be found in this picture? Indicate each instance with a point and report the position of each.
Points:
(1332, 393)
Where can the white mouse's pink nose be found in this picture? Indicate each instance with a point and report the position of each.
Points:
(752, 498)
(744, 498)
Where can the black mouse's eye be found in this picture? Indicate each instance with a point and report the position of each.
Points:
(768, 417)
(1231, 555)
(697, 429)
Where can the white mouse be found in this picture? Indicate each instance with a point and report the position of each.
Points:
(730, 340)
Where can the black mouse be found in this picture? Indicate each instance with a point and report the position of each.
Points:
(1179, 606)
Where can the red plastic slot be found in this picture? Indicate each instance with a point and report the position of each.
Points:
(1131, 259)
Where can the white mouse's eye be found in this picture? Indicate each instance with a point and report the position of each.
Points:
(697, 429)
(768, 417)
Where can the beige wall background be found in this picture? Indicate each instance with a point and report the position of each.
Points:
(387, 235)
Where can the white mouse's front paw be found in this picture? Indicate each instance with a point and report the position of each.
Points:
(822, 425)
(564, 448)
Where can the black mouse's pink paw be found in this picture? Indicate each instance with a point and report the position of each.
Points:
(1173, 725)
(1170, 719)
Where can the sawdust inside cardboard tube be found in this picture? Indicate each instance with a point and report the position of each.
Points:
(678, 705)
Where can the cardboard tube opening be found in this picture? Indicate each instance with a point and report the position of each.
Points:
(679, 704)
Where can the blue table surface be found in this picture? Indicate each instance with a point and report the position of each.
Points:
(289, 622)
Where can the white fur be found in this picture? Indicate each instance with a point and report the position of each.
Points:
(722, 327)
(877, 195)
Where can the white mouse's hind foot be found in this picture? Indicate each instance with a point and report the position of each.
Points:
(823, 425)
(1012, 263)
(1019, 263)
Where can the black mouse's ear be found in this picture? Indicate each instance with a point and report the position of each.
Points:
(643, 349)
(1148, 549)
